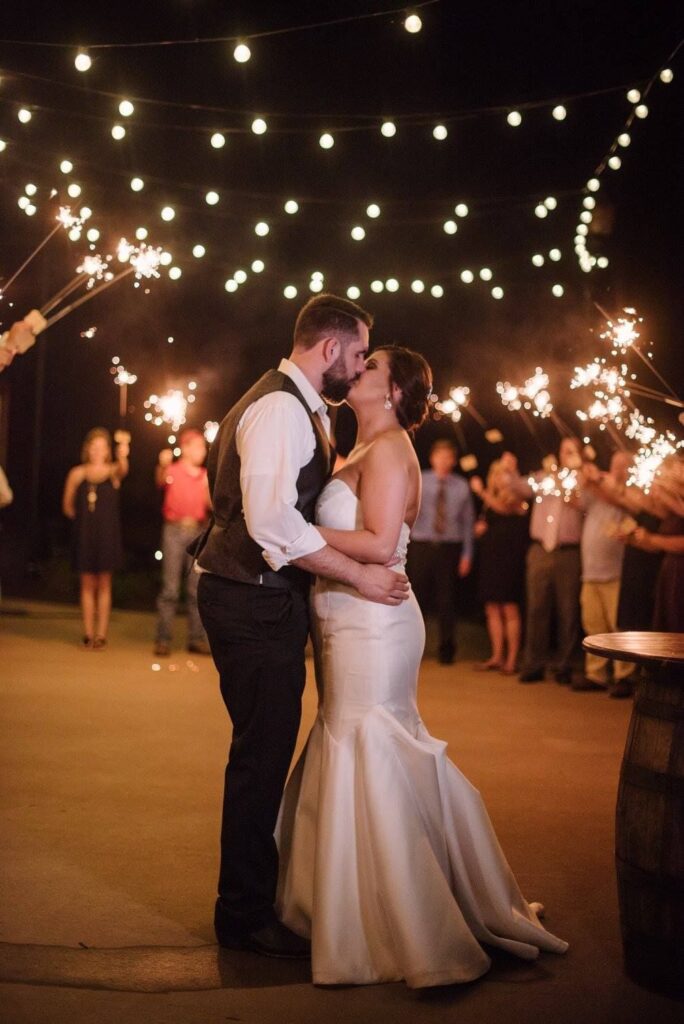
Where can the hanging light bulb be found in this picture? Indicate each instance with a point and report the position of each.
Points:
(198, 251)
(497, 292)
(326, 141)
(23, 202)
(624, 139)
(166, 259)
(633, 96)
(353, 292)
(24, 115)
(417, 286)
(485, 274)
(74, 190)
(589, 203)
(541, 210)
(82, 61)
(92, 234)
(118, 132)
(218, 140)
(373, 210)
(290, 292)
(358, 233)
(558, 290)
(461, 210)
(550, 202)
(257, 266)
(291, 206)
(211, 198)
(175, 273)
(593, 184)
(3, 145)
(391, 284)
(377, 287)
(615, 163)
(440, 132)
(559, 112)
(30, 210)
(231, 285)
(31, 189)
(467, 276)
(168, 213)
(666, 75)
(538, 259)
(141, 234)
(137, 184)
(412, 23)
(242, 53)
(450, 226)
(514, 118)
(641, 111)
(555, 255)
(240, 276)
(66, 167)
(261, 229)
(126, 108)
(437, 291)
(259, 126)
(388, 129)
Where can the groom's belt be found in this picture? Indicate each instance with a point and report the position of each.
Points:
(289, 578)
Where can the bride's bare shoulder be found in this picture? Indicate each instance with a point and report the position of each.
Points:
(394, 445)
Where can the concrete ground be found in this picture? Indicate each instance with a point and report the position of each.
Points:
(112, 775)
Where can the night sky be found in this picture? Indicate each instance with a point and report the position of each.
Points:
(466, 58)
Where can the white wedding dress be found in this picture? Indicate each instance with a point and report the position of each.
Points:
(388, 860)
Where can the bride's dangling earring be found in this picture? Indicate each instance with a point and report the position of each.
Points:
(388, 402)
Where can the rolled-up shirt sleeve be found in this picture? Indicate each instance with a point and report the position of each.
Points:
(275, 440)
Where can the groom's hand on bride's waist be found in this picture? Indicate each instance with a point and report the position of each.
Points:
(382, 585)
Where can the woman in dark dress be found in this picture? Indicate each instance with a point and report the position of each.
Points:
(504, 532)
(91, 500)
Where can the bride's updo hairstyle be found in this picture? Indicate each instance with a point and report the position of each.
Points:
(413, 376)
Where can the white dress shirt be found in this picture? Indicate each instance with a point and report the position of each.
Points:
(275, 440)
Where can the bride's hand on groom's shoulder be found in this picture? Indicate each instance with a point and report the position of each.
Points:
(382, 585)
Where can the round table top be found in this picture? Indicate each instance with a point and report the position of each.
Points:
(638, 647)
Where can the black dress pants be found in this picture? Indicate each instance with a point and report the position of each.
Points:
(257, 636)
(433, 572)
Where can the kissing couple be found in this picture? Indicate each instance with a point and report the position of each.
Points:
(378, 860)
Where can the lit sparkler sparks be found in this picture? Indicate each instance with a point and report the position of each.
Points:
(649, 459)
(122, 377)
(533, 394)
(640, 428)
(170, 408)
(89, 332)
(621, 333)
(458, 399)
(558, 483)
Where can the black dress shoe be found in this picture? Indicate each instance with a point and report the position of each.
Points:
(270, 939)
(536, 676)
(586, 686)
(446, 654)
(564, 677)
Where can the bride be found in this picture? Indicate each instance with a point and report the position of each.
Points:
(388, 859)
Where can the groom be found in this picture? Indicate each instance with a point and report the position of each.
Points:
(270, 461)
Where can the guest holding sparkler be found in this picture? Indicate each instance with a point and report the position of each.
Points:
(503, 529)
(602, 556)
(91, 500)
(185, 510)
(442, 540)
(553, 566)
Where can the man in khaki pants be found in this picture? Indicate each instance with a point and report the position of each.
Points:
(602, 555)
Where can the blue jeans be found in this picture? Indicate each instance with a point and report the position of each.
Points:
(176, 563)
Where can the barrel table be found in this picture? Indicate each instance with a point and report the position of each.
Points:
(649, 824)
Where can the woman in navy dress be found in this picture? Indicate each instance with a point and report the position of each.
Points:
(91, 500)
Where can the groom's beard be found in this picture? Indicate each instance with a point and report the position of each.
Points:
(336, 385)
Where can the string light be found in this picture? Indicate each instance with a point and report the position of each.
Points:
(259, 126)
(412, 23)
(82, 61)
(417, 286)
(666, 75)
(231, 285)
(118, 132)
(589, 203)
(377, 287)
(593, 184)
(198, 251)
(211, 198)
(240, 276)
(497, 292)
(461, 210)
(467, 276)
(541, 210)
(261, 229)
(450, 226)
(24, 115)
(92, 234)
(555, 255)
(624, 139)
(558, 290)
(218, 140)
(373, 210)
(141, 234)
(126, 108)
(290, 292)
(137, 184)
(387, 128)
(258, 266)
(485, 274)
(514, 118)
(440, 132)
(326, 141)
(538, 260)
(550, 202)
(165, 259)
(633, 96)
(391, 284)
(353, 292)
(66, 167)
(615, 163)
(559, 112)
(358, 233)
(316, 285)
(437, 291)
(74, 190)
(175, 273)
(3, 145)
(242, 53)
(30, 189)
(641, 111)
(168, 213)
(291, 206)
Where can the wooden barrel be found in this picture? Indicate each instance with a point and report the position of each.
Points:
(649, 833)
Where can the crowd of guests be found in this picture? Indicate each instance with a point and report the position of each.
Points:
(597, 556)
(573, 546)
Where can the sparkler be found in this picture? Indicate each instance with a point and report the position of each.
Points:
(122, 378)
(558, 483)
(170, 408)
(622, 335)
(649, 459)
(65, 219)
(532, 396)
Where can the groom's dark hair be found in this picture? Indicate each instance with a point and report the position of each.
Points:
(328, 314)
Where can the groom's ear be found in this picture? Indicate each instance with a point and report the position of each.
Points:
(330, 350)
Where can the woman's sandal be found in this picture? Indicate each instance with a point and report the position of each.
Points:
(87, 643)
(99, 643)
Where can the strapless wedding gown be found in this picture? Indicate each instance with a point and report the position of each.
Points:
(388, 860)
